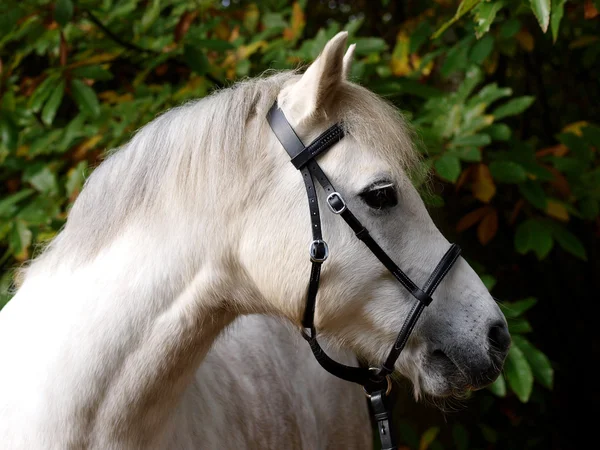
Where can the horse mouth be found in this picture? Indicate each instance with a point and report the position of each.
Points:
(449, 379)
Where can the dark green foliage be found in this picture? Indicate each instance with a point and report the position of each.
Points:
(481, 80)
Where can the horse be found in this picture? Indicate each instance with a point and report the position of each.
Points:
(200, 220)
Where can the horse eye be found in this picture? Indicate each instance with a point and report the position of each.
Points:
(380, 197)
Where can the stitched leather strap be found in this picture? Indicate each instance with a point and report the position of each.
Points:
(304, 159)
(383, 417)
(431, 284)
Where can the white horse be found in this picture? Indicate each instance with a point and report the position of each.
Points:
(201, 219)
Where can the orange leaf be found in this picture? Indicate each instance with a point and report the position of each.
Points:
(525, 40)
(82, 149)
(185, 21)
(556, 150)
(583, 41)
(297, 23)
(483, 186)
(470, 219)
(222, 31)
(488, 227)
(589, 10)
(464, 176)
(575, 127)
(400, 64)
(557, 210)
(560, 182)
(515, 212)
(96, 59)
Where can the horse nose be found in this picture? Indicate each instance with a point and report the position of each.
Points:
(499, 339)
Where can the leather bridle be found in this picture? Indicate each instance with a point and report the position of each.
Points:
(376, 382)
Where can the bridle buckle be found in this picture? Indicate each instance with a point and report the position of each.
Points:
(319, 251)
(336, 203)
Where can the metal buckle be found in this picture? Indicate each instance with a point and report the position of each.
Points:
(319, 251)
(336, 197)
(387, 378)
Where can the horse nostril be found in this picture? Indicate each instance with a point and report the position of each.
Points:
(499, 337)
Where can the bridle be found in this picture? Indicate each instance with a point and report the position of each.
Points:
(376, 382)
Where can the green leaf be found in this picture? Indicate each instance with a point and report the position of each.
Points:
(591, 134)
(482, 49)
(93, 72)
(368, 45)
(539, 363)
(498, 387)
(8, 204)
(534, 235)
(152, 13)
(19, 239)
(75, 178)
(6, 288)
(433, 200)
(577, 145)
(508, 172)
(85, 97)
(196, 59)
(470, 154)
(473, 77)
(489, 94)
(51, 106)
(42, 92)
(485, 13)
(41, 210)
(541, 10)
(513, 107)
(448, 167)
(9, 133)
(44, 180)
(498, 132)
(556, 15)
(477, 140)
(63, 12)
(519, 326)
(512, 310)
(456, 59)
(509, 28)
(518, 374)
(569, 242)
(464, 7)
(274, 20)
(9, 18)
(534, 194)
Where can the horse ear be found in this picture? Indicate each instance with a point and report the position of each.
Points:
(348, 59)
(316, 87)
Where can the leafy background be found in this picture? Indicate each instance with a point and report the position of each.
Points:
(504, 96)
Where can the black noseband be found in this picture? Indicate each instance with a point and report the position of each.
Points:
(376, 383)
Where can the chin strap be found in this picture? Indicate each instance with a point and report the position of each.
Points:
(376, 382)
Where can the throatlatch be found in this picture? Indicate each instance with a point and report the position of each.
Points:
(376, 382)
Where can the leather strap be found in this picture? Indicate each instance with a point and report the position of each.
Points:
(431, 284)
(304, 159)
(383, 417)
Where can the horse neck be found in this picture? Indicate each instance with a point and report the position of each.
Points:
(122, 334)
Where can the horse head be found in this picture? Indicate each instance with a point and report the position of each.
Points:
(461, 340)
